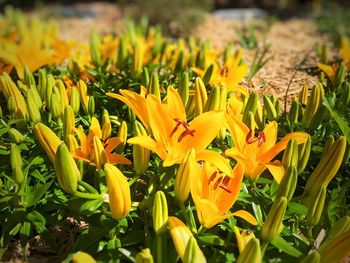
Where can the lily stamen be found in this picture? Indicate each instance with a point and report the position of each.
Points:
(261, 138)
(224, 184)
(218, 182)
(185, 133)
(179, 122)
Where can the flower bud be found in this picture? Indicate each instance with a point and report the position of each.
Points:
(251, 106)
(288, 183)
(183, 88)
(83, 92)
(106, 125)
(15, 136)
(11, 105)
(66, 169)
(47, 139)
(75, 100)
(82, 257)
(273, 222)
(200, 96)
(28, 77)
(290, 155)
(293, 113)
(304, 150)
(17, 175)
(153, 87)
(314, 257)
(33, 108)
(122, 135)
(345, 94)
(213, 102)
(251, 252)
(55, 106)
(140, 155)
(122, 53)
(303, 95)
(72, 143)
(68, 122)
(95, 43)
(183, 177)
(313, 104)
(180, 63)
(269, 108)
(160, 213)
(315, 203)
(243, 238)
(193, 252)
(42, 83)
(63, 94)
(15, 157)
(144, 256)
(208, 74)
(336, 249)
(50, 82)
(145, 77)
(99, 153)
(118, 191)
(91, 106)
(137, 58)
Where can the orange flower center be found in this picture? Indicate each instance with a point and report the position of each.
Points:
(221, 182)
(260, 138)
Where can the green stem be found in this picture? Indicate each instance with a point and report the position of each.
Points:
(159, 240)
(88, 196)
(309, 234)
(263, 248)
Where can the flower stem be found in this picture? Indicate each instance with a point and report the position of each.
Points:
(88, 196)
(263, 248)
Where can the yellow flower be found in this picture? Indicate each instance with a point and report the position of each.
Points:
(329, 70)
(345, 51)
(256, 152)
(229, 75)
(243, 238)
(90, 147)
(173, 136)
(214, 191)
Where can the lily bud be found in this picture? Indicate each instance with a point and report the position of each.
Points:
(137, 58)
(91, 106)
(314, 257)
(193, 252)
(304, 150)
(50, 83)
(66, 169)
(328, 166)
(33, 109)
(15, 136)
(243, 238)
(160, 213)
(118, 191)
(75, 100)
(36, 96)
(153, 87)
(17, 175)
(144, 256)
(42, 83)
(95, 43)
(337, 249)
(290, 155)
(15, 157)
(82, 257)
(273, 222)
(313, 104)
(183, 177)
(345, 94)
(122, 53)
(208, 74)
(184, 88)
(288, 184)
(68, 122)
(340, 227)
(293, 113)
(251, 253)
(11, 105)
(99, 152)
(28, 77)
(63, 94)
(84, 98)
(180, 63)
(180, 235)
(47, 139)
(55, 106)
(201, 96)
(303, 95)
(106, 125)
(122, 135)
(269, 108)
(145, 77)
(316, 203)
(140, 154)
(72, 143)
(213, 102)
(251, 106)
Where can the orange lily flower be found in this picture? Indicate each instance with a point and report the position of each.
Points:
(229, 75)
(89, 154)
(173, 136)
(256, 153)
(214, 191)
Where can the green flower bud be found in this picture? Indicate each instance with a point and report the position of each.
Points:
(15, 157)
(141, 155)
(288, 184)
(160, 213)
(75, 100)
(184, 88)
(315, 205)
(95, 43)
(91, 106)
(251, 252)
(144, 256)
(153, 87)
(193, 252)
(290, 155)
(17, 175)
(15, 136)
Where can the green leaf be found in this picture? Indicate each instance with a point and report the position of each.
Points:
(257, 213)
(89, 238)
(90, 206)
(24, 233)
(286, 247)
(340, 120)
(32, 197)
(211, 239)
(296, 208)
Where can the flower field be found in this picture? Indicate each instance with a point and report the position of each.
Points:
(154, 151)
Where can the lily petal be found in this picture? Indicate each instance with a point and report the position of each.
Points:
(215, 158)
(246, 216)
(150, 144)
(175, 104)
(276, 169)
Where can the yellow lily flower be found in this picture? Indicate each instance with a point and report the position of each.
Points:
(94, 151)
(229, 75)
(329, 70)
(173, 136)
(256, 153)
(214, 191)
